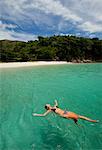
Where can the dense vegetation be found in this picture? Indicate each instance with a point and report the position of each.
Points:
(68, 48)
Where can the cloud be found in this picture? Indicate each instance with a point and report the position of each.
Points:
(88, 26)
(37, 11)
(5, 33)
(51, 17)
(10, 26)
(89, 11)
(56, 8)
(15, 36)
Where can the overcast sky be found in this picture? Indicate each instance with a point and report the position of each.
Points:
(27, 19)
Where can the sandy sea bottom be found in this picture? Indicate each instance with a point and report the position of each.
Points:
(77, 88)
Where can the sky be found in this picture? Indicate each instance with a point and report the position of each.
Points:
(25, 20)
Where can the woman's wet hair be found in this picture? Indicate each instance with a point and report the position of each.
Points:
(46, 107)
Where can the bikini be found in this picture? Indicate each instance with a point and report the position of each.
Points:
(65, 112)
(54, 109)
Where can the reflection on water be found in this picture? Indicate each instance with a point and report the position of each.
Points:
(61, 134)
(53, 138)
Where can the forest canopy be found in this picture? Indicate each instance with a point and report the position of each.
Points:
(60, 48)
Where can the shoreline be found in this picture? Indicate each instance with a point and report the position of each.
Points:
(30, 64)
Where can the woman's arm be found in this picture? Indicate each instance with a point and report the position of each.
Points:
(56, 103)
(42, 115)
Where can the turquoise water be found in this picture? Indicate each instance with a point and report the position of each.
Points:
(77, 87)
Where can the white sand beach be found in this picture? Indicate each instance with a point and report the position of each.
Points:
(27, 64)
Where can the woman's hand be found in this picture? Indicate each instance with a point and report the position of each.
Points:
(34, 114)
(41, 115)
(56, 103)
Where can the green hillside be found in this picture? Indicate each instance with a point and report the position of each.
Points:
(62, 48)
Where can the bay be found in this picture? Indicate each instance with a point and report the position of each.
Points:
(77, 87)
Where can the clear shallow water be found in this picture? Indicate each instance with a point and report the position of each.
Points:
(23, 91)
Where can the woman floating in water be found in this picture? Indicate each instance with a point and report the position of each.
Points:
(63, 113)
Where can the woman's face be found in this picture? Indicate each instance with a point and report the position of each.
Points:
(47, 106)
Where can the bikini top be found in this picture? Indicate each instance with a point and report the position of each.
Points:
(54, 109)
